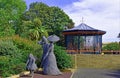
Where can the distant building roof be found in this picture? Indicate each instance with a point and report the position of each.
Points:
(82, 26)
(83, 29)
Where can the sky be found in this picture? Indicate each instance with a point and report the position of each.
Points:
(99, 14)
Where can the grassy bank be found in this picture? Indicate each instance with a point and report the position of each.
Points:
(97, 61)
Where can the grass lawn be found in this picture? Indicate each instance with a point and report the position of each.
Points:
(97, 61)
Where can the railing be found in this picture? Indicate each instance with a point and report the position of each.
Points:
(111, 51)
(81, 51)
(93, 52)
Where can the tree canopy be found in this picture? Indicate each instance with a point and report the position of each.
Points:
(53, 19)
(10, 11)
(40, 19)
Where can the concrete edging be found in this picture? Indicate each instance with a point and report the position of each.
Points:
(27, 72)
(73, 71)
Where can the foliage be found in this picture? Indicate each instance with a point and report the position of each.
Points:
(4, 66)
(11, 62)
(64, 61)
(33, 29)
(53, 19)
(10, 65)
(14, 52)
(25, 46)
(7, 48)
(111, 46)
(10, 11)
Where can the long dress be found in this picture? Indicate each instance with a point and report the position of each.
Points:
(50, 65)
(45, 48)
(31, 66)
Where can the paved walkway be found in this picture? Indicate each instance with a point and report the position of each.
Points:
(96, 73)
(40, 75)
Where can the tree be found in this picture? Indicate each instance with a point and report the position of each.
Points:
(10, 11)
(33, 29)
(53, 19)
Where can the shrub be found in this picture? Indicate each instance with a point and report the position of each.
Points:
(10, 57)
(111, 46)
(64, 61)
(4, 66)
(10, 65)
(7, 47)
(27, 46)
(14, 52)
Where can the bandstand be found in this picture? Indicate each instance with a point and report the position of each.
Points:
(83, 39)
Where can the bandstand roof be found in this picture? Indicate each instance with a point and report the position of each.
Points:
(83, 29)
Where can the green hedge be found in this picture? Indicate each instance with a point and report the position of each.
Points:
(111, 46)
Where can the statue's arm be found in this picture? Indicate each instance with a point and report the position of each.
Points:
(47, 53)
(27, 62)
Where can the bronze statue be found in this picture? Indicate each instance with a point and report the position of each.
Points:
(30, 65)
(48, 62)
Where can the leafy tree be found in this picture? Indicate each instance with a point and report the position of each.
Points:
(33, 29)
(10, 11)
(53, 19)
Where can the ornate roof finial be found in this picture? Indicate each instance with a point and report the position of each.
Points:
(82, 19)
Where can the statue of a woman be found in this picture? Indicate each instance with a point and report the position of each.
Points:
(45, 45)
(48, 62)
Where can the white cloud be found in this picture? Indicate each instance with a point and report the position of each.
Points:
(100, 14)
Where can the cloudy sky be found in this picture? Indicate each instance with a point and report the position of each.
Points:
(99, 14)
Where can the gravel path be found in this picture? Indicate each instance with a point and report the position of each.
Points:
(96, 73)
